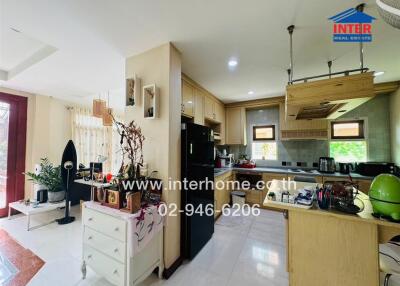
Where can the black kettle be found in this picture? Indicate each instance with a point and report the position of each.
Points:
(345, 168)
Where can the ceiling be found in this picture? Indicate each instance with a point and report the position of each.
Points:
(91, 39)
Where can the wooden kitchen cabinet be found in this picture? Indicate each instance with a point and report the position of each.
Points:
(204, 108)
(188, 98)
(220, 118)
(209, 112)
(336, 243)
(253, 197)
(214, 110)
(235, 126)
(222, 194)
(219, 112)
(199, 106)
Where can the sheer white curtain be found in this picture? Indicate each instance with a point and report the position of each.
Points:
(92, 140)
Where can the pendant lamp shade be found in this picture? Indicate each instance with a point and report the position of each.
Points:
(107, 117)
(99, 106)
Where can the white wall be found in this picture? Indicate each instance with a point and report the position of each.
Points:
(395, 126)
(162, 66)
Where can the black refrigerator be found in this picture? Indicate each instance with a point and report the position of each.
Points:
(197, 165)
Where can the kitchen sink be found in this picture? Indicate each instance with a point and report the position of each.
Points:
(303, 171)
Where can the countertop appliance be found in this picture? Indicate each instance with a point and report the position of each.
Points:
(326, 165)
(373, 169)
(345, 168)
(197, 164)
(220, 163)
(384, 195)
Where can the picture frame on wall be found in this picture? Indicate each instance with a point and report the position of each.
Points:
(132, 89)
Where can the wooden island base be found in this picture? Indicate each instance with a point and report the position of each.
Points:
(330, 248)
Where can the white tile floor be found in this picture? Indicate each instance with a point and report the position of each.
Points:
(243, 251)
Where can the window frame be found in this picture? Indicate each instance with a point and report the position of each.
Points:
(361, 127)
(255, 127)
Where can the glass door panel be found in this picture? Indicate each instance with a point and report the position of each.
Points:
(4, 130)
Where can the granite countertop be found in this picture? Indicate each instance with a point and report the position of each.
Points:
(285, 170)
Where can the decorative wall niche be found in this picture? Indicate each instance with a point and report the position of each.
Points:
(133, 86)
(150, 101)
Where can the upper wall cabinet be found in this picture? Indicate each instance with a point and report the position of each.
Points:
(203, 108)
(328, 98)
(209, 108)
(219, 111)
(188, 98)
(214, 110)
(198, 106)
(235, 133)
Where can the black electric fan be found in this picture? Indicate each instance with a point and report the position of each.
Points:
(68, 172)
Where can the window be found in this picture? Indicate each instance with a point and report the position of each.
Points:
(262, 147)
(264, 151)
(347, 129)
(92, 139)
(348, 151)
(348, 141)
(266, 132)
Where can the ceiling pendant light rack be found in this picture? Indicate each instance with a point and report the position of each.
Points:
(362, 69)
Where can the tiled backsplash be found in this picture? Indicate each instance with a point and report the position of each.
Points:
(309, 151)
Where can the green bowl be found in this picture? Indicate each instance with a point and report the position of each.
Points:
(384, 195)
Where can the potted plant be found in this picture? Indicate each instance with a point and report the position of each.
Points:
(132, 147)
(50, 177)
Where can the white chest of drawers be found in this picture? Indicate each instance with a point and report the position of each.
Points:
(105, 250)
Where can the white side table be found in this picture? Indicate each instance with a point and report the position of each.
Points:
(29, 210)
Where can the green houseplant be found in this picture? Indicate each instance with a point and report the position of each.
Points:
(50, 177)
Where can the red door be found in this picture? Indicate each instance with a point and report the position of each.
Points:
(13, 113)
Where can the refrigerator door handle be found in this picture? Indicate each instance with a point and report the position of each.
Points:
(191, 148)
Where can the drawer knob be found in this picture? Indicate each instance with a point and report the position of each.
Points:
(90, 237)
(116, 229)
(116, 250)
(90, 219)
(89, 256)
(115, 271)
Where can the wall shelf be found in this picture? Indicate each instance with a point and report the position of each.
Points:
(150, 101)
(132, 91)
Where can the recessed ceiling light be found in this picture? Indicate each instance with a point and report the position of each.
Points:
(232, 63)
(378, 73)
(250, 92)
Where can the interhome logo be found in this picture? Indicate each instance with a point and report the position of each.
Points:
(352, 26)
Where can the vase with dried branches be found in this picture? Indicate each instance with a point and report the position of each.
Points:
(131, 141)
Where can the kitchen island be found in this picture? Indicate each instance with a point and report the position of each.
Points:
(331, 248)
